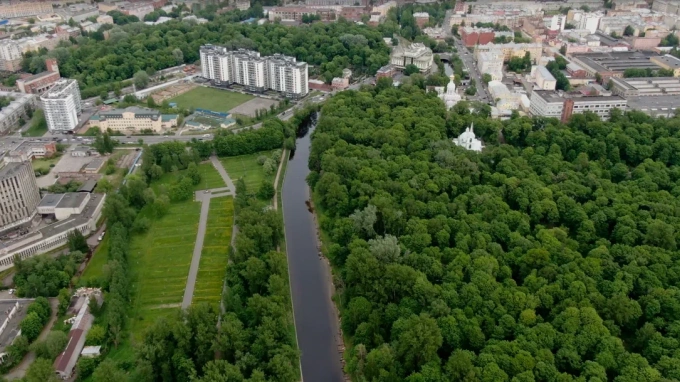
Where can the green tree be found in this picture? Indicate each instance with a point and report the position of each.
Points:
(41, 371)
(266, 190)
(411, 69)
(141, 79)
(77, 242)
(108, 371)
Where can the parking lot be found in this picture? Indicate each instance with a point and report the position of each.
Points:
(248, 108)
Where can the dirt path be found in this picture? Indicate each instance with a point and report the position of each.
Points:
(276, 181)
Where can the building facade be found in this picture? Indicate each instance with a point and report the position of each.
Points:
(513, 50)
(132, 119)
(491, 62)
(668, 62)
(62, 105)
(12, 115)
(11, 9)
(472, 36)
(544, 79)
(245, 67)
(41, 82)
(10, 56)
(413, 54)
(550, 104)
(296, 13)
(19, 195)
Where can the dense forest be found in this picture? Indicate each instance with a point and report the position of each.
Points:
(133, 47)
(551, 256)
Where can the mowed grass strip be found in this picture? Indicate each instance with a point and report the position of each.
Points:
(245, 166)
(95, 268)
(213, 264)
(211, 99)
(159, 261)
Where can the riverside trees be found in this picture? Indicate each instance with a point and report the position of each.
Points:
(550, 257)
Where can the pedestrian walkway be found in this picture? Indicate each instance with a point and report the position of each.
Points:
(204, 197)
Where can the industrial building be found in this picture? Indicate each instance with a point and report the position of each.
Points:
(668, 62)
(613, 64)
(646, 86)
(62, 105)
(247, 68)
(548, 103)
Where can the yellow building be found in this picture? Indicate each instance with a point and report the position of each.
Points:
(667, 62)
(133, 119)
(512, 50)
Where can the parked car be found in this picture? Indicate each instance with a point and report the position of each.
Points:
(101, 236)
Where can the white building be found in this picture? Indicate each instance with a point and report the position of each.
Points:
(245, 67)
(544, 79)
(17, 110)
(451, 97)
(556, 23)
(413, 54)
(550, 104)
(468, 140)
(546, 104)
(588, 21)
(62, 105)
(491, 63)
(10, 55)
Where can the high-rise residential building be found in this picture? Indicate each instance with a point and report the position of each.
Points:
(10, 55)
(19, 195)
(287, 76)
(245, 67)
(62, 105)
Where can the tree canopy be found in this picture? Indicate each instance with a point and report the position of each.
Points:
(549, 256)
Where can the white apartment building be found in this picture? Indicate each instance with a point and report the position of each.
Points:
(544, 79)
(491, 62)
(556, 23)
(546, 104)
(287, 76)
(550, 104)
(10, 55)
(589, 21)
(19, 195)
(245, 67)
(62, 105)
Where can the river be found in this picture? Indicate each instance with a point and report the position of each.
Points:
(315, 321)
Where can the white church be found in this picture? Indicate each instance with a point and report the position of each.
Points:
(468, 140)
(450, 98)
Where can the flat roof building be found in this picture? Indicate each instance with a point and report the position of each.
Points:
(12, 115)
(62, 105)
(646, 86)
(613, 64)
(548, 103)
(668, 62)
(131, 119)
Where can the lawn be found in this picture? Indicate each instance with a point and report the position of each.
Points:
(246, 166)
(45, 162)
(211, 99)
(95, 268)
(159, 263)
(210, 178)
(216, 244)
(38, 125)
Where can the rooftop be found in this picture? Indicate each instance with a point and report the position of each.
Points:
(50, 200)
(669, 60)
(72, 200)
(36, 77)
(616, 61)
(95, 164)
(657, 103)
(64, 359)
(88, 186)
(138, 111)
(168, 117)
(58, 90)
(11, 169)
(545, 73)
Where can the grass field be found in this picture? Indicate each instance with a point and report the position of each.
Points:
(95, 268)
(216, 244)
(211, 99)
(246, 166)
(45, 162)
(210, 178)
(159, 262)
(38, 126)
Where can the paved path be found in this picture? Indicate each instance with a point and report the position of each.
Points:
(276, 181)
(204, 197)
(20, 370)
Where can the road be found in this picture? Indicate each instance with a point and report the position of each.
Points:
(469, 62)
(310, 279)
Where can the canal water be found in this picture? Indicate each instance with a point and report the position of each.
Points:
(315, 323)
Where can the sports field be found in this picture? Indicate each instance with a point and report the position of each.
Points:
(159, 262)
(246, 166)
(211, 99)
(216, 244)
